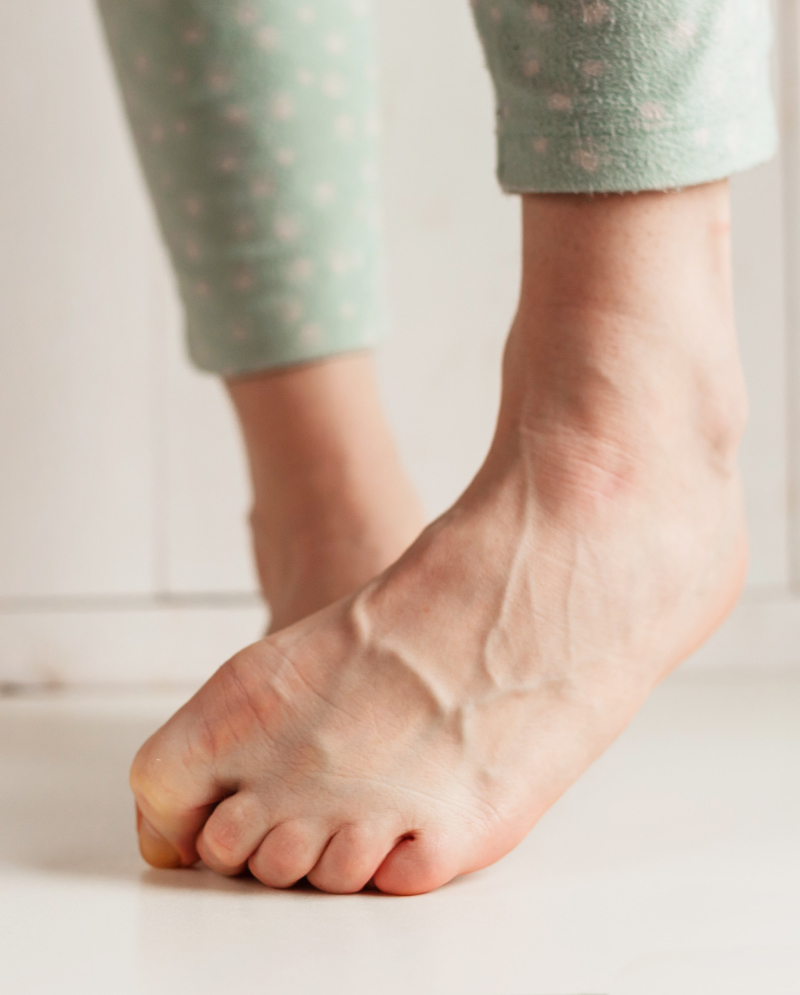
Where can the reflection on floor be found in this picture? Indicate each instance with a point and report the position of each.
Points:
(673, 867)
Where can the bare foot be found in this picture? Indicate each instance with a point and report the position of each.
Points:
(418, 729)
(332, 504)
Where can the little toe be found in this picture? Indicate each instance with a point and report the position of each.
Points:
(289, 852)
(232, 833)
(419, 863)
(351, 858)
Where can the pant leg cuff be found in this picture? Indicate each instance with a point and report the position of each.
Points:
(259, 353)
(658, 159)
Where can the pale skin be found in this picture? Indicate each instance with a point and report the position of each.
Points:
(332, 503)
(416, 729)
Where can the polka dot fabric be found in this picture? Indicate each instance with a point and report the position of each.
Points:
(626, 95)
(256, 123)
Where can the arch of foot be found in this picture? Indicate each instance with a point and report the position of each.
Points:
(256, 123)
(620, 95)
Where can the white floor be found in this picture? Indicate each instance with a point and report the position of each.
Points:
(673, 867)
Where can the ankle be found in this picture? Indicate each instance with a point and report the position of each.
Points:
(623, 354)
(598, 434)
(332, 505)
(625, 382)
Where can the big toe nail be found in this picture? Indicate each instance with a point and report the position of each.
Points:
(157, 851)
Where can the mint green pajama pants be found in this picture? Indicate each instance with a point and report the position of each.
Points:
(257, 126)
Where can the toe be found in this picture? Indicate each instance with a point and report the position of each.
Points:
(173, 801)
(351, 858)
(419, 863)
(289, 852)
(232, 834)
(155, 850)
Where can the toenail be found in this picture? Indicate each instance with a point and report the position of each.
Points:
(157, 851)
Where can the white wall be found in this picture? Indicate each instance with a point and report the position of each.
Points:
(123, 550)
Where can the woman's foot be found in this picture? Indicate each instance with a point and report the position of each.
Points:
(333, 506)
(418, 729)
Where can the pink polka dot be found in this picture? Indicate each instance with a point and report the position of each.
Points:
(652, 112)
(593, 68)
(194, 34)
(286, 228)
(335, 44)
(594, 11)
(683, 33)
(531, 67)
(344, 126)
(559, 102)
(311, 334)
(281, 107)
(324, 193)
(333, 85)
(300, 269)
(244, 280)
(246, 15)
(292, 310)
(235, 114)
(261, 187)
(268, 38)
(539, 13)
(228, 163)
(219, 80)
(588, 161)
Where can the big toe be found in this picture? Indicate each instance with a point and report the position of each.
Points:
(173, 802)
(154, 848)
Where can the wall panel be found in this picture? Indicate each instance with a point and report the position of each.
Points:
(75, 316)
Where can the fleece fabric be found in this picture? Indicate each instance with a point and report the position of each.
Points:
(627, 95)
(256, 123)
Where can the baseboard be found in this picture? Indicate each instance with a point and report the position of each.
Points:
(759, 634)
(149, 644)
(185, 643)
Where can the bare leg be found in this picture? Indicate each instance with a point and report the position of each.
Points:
(332, 504)
(417, 730)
